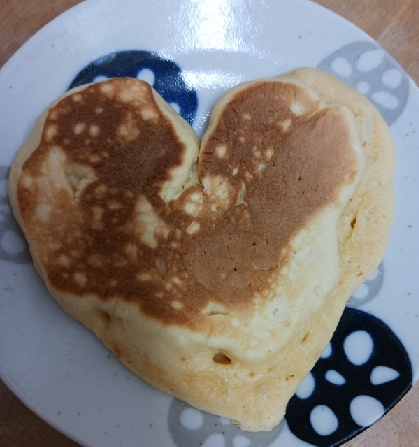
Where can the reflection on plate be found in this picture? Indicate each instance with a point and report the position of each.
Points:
(191, 52)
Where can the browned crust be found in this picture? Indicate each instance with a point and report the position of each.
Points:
(89, 244)
(254, 388)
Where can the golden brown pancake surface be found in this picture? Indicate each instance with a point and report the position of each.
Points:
(218, 273)
(105, 230)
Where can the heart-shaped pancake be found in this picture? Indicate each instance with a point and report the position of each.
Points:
(216, 272)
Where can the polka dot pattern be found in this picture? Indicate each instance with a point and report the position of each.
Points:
(364, 373)
(370, 70)
(13, 245)
(164, 75)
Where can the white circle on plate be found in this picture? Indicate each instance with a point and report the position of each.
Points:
(342, 67)
(358, 347)
(363, 87)
(392, 78)
(146, 75)
(241, 441)
(3, 188)
(225, 421)
(175, 106)
(370, 60)
(361, 292)
(215, 440)
(383, 374)
(374, 274)
(385, 99)
(12, 243)
(306, 387)
(323, 420)
(192, 419)
(334, 377)
(100, 78)
(327, 352)
(4, 209)
(365, 410)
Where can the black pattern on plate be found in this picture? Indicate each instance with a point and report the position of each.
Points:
(362, 374)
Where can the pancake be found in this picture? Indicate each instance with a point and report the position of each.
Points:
(217, 272)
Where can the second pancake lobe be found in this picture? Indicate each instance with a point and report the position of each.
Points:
(277, 167)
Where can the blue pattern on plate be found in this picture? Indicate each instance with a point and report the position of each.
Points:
(165, 76)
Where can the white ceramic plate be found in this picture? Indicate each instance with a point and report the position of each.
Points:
(57, 367)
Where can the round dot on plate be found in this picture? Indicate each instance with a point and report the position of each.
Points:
(5, 209)
(3, 188)
(385, 99)
(146, 75)
(342, 67)
(192, 419)
(323, 420)
(383, 374)
(363, 87)
(361, 292)
(225, 421)
(327, 352)
(175, 106)
(365, 410)
(358, 347)
(334, 377)
(374, 274)
(12, 243)
(306, 387)
(215, 440)
(241, 441)
(370, 60)
(392, 78)
(100, 78)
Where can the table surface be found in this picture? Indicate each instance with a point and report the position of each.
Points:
(395, 25)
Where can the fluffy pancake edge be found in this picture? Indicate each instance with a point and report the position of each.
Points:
(254, 396)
